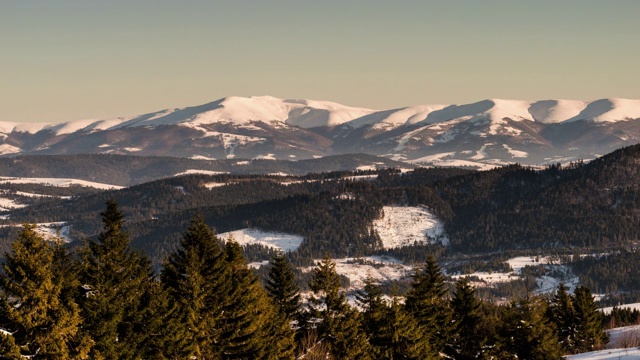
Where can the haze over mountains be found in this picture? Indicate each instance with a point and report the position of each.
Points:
(488, 132)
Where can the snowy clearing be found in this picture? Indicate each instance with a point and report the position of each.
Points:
(611, 354)
(619, 338)
(380, 268)
(50, 231)
(545, 284)
(281, 241)
(202, 172)
(60, 182)
(405, 225)
(8, 204)
(215, 185)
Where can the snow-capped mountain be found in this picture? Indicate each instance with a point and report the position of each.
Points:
(493, 131)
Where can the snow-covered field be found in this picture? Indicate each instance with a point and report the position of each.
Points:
(405, 225)
(610, 354)
(51, 230)
(203, 172)
(379, 268)
(60, 182)
(546, 284)
(280, 241)
(8, 204)
(623, 344)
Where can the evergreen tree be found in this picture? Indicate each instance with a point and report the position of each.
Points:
(115, 279)
(563, 315)
(526, 333)
(37, 321)
(282, 288)
(426, 302)
(467, 340)
(393, 334)
(338, 325)
(252, 326)
(197, 281)
(590, 334)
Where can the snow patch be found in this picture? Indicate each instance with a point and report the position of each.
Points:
(201, 157)
(515, 153)
(405, 225)
(203, 172)
(6, 149)
(60, 182)
(280, 241)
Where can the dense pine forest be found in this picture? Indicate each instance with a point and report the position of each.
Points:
(102, 300)
(583, 213)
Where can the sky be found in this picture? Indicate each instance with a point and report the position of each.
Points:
(63, 60)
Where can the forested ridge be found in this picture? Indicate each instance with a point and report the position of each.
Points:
(581, 208)
(101, 300)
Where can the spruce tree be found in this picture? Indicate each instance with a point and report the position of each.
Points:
(115, 279)
(467, 340)
(426, 302)
(252, 326)
(526, 333)
(338, 325)
(37, 321)
(282, 288)
(393, 334)
(590, 334)
(197, 281)
(563, 315)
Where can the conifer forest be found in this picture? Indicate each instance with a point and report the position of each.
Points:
(143, 273)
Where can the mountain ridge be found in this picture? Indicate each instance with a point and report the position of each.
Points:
(266, 127)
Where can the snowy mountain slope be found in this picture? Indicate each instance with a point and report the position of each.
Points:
(267, 127)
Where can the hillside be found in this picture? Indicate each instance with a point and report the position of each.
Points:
(478, 135)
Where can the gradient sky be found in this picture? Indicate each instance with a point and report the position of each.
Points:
(63, 60)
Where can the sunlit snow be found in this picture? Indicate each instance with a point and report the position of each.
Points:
(280, 241)
(406, 225)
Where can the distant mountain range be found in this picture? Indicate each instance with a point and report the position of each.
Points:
(482, 134)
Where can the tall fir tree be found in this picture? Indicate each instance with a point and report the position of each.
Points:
(590, 334)
(393, 334)
(197, 280)
(338, 326)
(282, 288)
(252, 326)
(467, 341)
(563, 315)
(426, 301)
(526, 333)
(115, 279)
(38, 321)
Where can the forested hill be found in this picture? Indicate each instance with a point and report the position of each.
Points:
(566, 208)
(125, 170)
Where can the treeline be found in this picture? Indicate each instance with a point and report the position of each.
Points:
(103, 302)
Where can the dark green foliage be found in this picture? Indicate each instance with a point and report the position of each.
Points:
(282, 288)
(252, 328)
(426, 302)
(617, 271)
(196, 279)
(115, 279)
(467, 340)
(590, 333)
(619, 317)
(43, 322)
(338, 326)
(393, 334)
(526, 333)
(563, 315)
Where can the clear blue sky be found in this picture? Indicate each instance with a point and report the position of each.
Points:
(64, 60)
